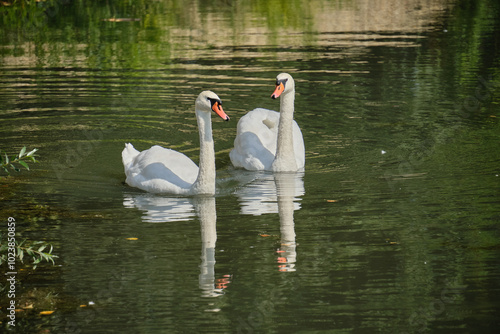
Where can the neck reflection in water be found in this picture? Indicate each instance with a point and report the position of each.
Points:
(280, 193)
(158, 209)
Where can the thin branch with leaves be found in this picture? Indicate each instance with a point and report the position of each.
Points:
(37, 251)
(21, 159)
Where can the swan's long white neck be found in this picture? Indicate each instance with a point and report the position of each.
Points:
(205, 183)
(285, 156)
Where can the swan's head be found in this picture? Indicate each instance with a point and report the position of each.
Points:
(208, 101)
(284, 84)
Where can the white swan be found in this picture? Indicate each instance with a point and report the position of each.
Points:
(162, 170)
(268, 140)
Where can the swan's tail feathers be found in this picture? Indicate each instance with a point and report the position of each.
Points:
(128, 154)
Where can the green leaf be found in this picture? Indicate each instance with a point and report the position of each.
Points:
(24, 164)
(31, 152)
(6, 158)
(23, 150)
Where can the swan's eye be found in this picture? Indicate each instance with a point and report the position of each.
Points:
(213, 101)
(282, 81)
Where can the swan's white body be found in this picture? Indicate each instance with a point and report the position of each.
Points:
(162, 170)
(268, 140)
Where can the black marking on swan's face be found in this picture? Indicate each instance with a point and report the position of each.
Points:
(280, 88)
(216, 106)
(282, 81)
(213, 101)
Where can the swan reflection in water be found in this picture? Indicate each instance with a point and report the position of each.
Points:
(276, 193)
(158, 209)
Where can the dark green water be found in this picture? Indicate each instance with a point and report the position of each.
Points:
(392, 228)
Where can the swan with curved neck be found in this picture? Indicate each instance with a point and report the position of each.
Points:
(162, 170)
(268, 140)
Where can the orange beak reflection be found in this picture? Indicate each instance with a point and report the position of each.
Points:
(280, 87)
(217, 108)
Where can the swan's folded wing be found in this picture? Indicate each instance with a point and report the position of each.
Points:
(250, 153)
(255, 143)
(161, 170)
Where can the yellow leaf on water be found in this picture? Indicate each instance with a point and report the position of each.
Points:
(46, 312)
(132, 238)
(332, 200)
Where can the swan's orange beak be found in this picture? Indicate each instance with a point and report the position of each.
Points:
(280, 87)
(217, 108)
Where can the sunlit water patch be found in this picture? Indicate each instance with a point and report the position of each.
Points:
(391, 227)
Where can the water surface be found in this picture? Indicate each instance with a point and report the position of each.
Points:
(392, 228)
